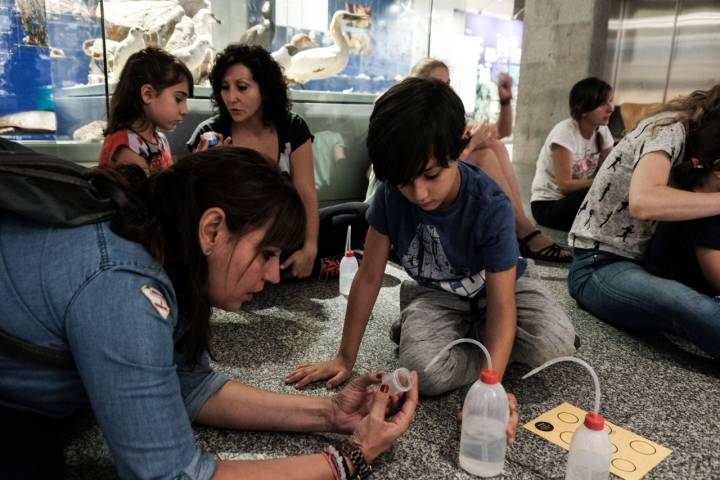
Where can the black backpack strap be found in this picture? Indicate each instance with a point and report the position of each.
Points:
(25, 352)
(53, 191)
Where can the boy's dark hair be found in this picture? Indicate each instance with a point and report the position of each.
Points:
(413, 122)
(265, 71)
(588, 94)
(165, 210)
(702, 153)
(150, 66)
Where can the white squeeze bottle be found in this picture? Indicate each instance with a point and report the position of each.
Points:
(348, 266)
(590, 448)
(485, 415)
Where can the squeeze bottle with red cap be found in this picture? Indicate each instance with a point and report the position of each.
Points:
(485, 416)
(590, 448)
(348, 266)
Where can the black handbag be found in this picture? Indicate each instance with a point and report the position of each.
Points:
(53, 191)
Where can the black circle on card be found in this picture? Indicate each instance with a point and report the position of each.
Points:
(567, 417)
(566, 436)
(643, 448)
(544, 426)
(623, 465)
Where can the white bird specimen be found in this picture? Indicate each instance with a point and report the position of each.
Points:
(263, 33)
(284, 54)
(182, 35)
(134, 42)
(204, 20)
(192, 56)
(93, 48)
(323, 62)
(191, 7)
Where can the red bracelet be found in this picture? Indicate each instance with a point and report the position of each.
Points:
(326, 456)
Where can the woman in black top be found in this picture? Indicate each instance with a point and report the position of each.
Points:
(250, 95)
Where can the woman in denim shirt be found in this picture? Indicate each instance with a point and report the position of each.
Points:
(131, 301)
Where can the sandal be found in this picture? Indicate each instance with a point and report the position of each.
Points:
(551, 253)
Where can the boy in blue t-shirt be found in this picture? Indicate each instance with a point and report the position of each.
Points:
(453, 229)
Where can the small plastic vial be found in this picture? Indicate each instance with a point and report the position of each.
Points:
(590, 451)
(348, 268)
(399, 381)
(485, 416)
(211, 138)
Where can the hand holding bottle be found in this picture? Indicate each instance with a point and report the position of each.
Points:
(381, 424)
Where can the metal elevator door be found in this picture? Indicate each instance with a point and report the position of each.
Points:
(659, 49)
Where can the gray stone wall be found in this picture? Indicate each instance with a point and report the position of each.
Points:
(563, 42)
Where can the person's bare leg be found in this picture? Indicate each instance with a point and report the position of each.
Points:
(495, 161)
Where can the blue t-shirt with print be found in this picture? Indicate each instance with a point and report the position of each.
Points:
(451, 249)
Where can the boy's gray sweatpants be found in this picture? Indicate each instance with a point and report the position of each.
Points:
(431, 318)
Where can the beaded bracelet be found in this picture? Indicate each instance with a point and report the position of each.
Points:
(339, 462)
(352, 450)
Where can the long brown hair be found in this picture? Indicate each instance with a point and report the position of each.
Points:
(165, 210)
(702, 154)
(691, 109)
(424, 66)
(150, 66)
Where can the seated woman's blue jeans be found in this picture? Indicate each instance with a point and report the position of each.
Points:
(621, 292)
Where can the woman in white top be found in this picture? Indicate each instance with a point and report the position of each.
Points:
(571, 155)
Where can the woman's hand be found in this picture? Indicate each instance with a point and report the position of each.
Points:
(203, 144)
(337, 370)
(378, 422)
(300, 264)
(513, 417)
(504, 84)
(479, 135)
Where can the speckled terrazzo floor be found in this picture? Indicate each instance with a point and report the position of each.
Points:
(651, 385)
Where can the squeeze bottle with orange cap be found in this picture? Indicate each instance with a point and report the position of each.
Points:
(485, 416)
(590, 448)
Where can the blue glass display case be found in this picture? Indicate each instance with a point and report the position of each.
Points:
(58, 64)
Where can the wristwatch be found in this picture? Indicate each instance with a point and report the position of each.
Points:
(352, 451)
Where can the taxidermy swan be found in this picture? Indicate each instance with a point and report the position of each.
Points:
(323, 62)
(284, 54)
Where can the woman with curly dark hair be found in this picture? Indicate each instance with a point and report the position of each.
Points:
(250, 95)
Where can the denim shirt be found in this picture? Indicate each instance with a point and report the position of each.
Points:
(85, 290)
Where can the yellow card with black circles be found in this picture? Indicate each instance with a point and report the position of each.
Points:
(632, 455)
